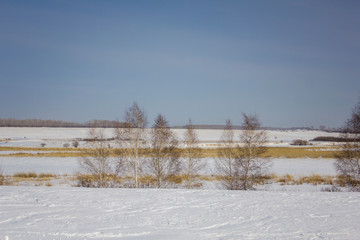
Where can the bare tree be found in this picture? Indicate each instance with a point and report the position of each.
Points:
(193, 161)
(97, 162)
(132, 140)
(164, 162)
(2, 177)
(228, 153)
(348, 161)
(249, 164)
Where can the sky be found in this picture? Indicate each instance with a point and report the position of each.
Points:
(292, 63)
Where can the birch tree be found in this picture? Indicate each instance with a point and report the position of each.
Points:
(164, 162)
(228, 152)
(348, 161)
(132, 141)
(2, 177)
(97, 162)
(249, 164)
(193, 162)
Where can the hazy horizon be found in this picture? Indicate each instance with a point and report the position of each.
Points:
(293, 63)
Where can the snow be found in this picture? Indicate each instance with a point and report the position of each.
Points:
(44, 133)
(56, 137)
(275, 212)
(54, 165)
(69, 165)
(77, 213)
(303, 166)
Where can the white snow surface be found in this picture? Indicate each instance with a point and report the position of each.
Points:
(58, 212)
(69, 165)
(303, 166)
(77, 213)
(54, 165)
(56, 137)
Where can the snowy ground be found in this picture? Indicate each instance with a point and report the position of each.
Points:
(54, 165)
(276, 212)
(56, 137)
(69, 165)
(76, 213)
(303, 166)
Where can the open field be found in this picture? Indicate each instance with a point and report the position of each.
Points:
(20, 151)
(56, 137)
(43, 202)
(30, 171)
(25, 142)
(271, 182)
(69, 165)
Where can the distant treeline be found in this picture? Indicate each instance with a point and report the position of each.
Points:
(334, 139)
(11, 122)
(264, 128)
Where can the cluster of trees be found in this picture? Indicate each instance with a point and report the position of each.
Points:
(239, 165)
(156, 154)
(348, 161)
(12, 122)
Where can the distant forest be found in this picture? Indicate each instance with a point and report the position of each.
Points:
(12, 122)
(236, 127)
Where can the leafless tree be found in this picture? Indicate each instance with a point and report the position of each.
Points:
(348, 161)
(249, 164)
(164, 162)
(12, 122)
(228, 154)
(131, 137)
(2, 177)
(193, 161)
(97, 162)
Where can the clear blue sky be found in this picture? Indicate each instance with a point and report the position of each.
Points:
(293, 63)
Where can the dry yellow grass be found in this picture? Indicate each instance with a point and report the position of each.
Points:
(300, 152)
(314, 179)
(210, 177)
(34, 176)
(25, 175)
(30, 178)
(284, 180)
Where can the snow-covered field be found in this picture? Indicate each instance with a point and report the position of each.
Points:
(54, 165)
(76, 213)
(276, 212)
(69, 165)
(56, 137)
